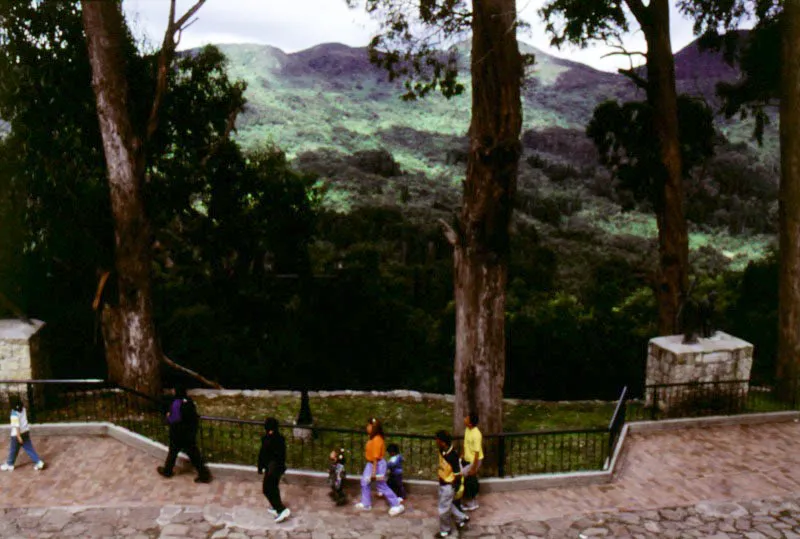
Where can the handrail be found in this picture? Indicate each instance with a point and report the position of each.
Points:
(405, 434)
(341, 430)
(138, 393)
(592, 430)
(76, 381)
(620, 403)
(690, 384)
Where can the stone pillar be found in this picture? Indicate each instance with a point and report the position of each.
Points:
(721, 358)
(21, 357)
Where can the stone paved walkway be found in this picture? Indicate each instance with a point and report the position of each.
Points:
(776, 517)
(689, 483)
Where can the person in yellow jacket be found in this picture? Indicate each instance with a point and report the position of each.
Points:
(449, 484)
(473, 457)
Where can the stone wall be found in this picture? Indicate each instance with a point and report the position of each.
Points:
(721, 358)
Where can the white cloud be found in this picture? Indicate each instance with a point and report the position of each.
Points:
(293, 25)
(289, 25)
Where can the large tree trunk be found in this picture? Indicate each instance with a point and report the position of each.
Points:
(133, 316)
(789, 286)
(673, 241)
(482, 240)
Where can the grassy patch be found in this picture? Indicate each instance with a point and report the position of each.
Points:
(740, 250)
(406, 415)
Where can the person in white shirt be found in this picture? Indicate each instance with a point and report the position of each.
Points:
(20, 436)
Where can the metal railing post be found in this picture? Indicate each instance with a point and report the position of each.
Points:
(501, 456)
(31, 407)
(654, 409)
(202, 438)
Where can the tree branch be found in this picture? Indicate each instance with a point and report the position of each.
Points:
(190, 373)
(449, 233)
(621, 50)
(100, 286)
(637, 79)
(165, 60)
(189, 14)
(230, 125)
(625, 53)
(639, 10)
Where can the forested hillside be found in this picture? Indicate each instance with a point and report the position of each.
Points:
(311, 252)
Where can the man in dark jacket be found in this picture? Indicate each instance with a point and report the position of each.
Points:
(272, 460)
(183, 421)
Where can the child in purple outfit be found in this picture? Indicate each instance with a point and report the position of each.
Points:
(394, 472)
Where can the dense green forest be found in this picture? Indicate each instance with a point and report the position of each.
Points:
(306, 252)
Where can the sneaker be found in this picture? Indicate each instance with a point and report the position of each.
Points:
(272, 512)
(400, 500)
(163, 472)
(442, 534)
(463, 523)
(7, 467)
(396, 510)
(470, 506)
(361, 507)
(283, 516)
(39, 465)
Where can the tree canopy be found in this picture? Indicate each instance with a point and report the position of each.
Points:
(756, 52)
(621, 133)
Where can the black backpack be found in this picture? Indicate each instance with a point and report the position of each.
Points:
(189, 415)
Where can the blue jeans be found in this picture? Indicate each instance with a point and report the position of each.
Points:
(27, 445)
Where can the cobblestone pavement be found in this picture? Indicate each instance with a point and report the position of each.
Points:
(686, 483)
(776, 517)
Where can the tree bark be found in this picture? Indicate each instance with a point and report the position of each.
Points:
(673, 239)
(481, 243)
(789, 220)
(139, 351)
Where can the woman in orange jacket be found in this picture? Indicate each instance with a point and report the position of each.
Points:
(375, 470)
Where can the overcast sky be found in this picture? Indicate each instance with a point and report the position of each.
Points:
(293, 25)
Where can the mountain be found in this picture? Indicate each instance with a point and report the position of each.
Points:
(335, 113)
(331, 96)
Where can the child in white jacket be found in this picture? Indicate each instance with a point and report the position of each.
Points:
(20, 436)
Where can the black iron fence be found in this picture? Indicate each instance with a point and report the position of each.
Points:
(557, 451)
(237, 441)
(59, 401)
(702, 399)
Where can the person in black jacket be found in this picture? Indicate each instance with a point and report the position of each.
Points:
(183, 422)
(272, 460)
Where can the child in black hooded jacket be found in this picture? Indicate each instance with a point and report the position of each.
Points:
(272, 462)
